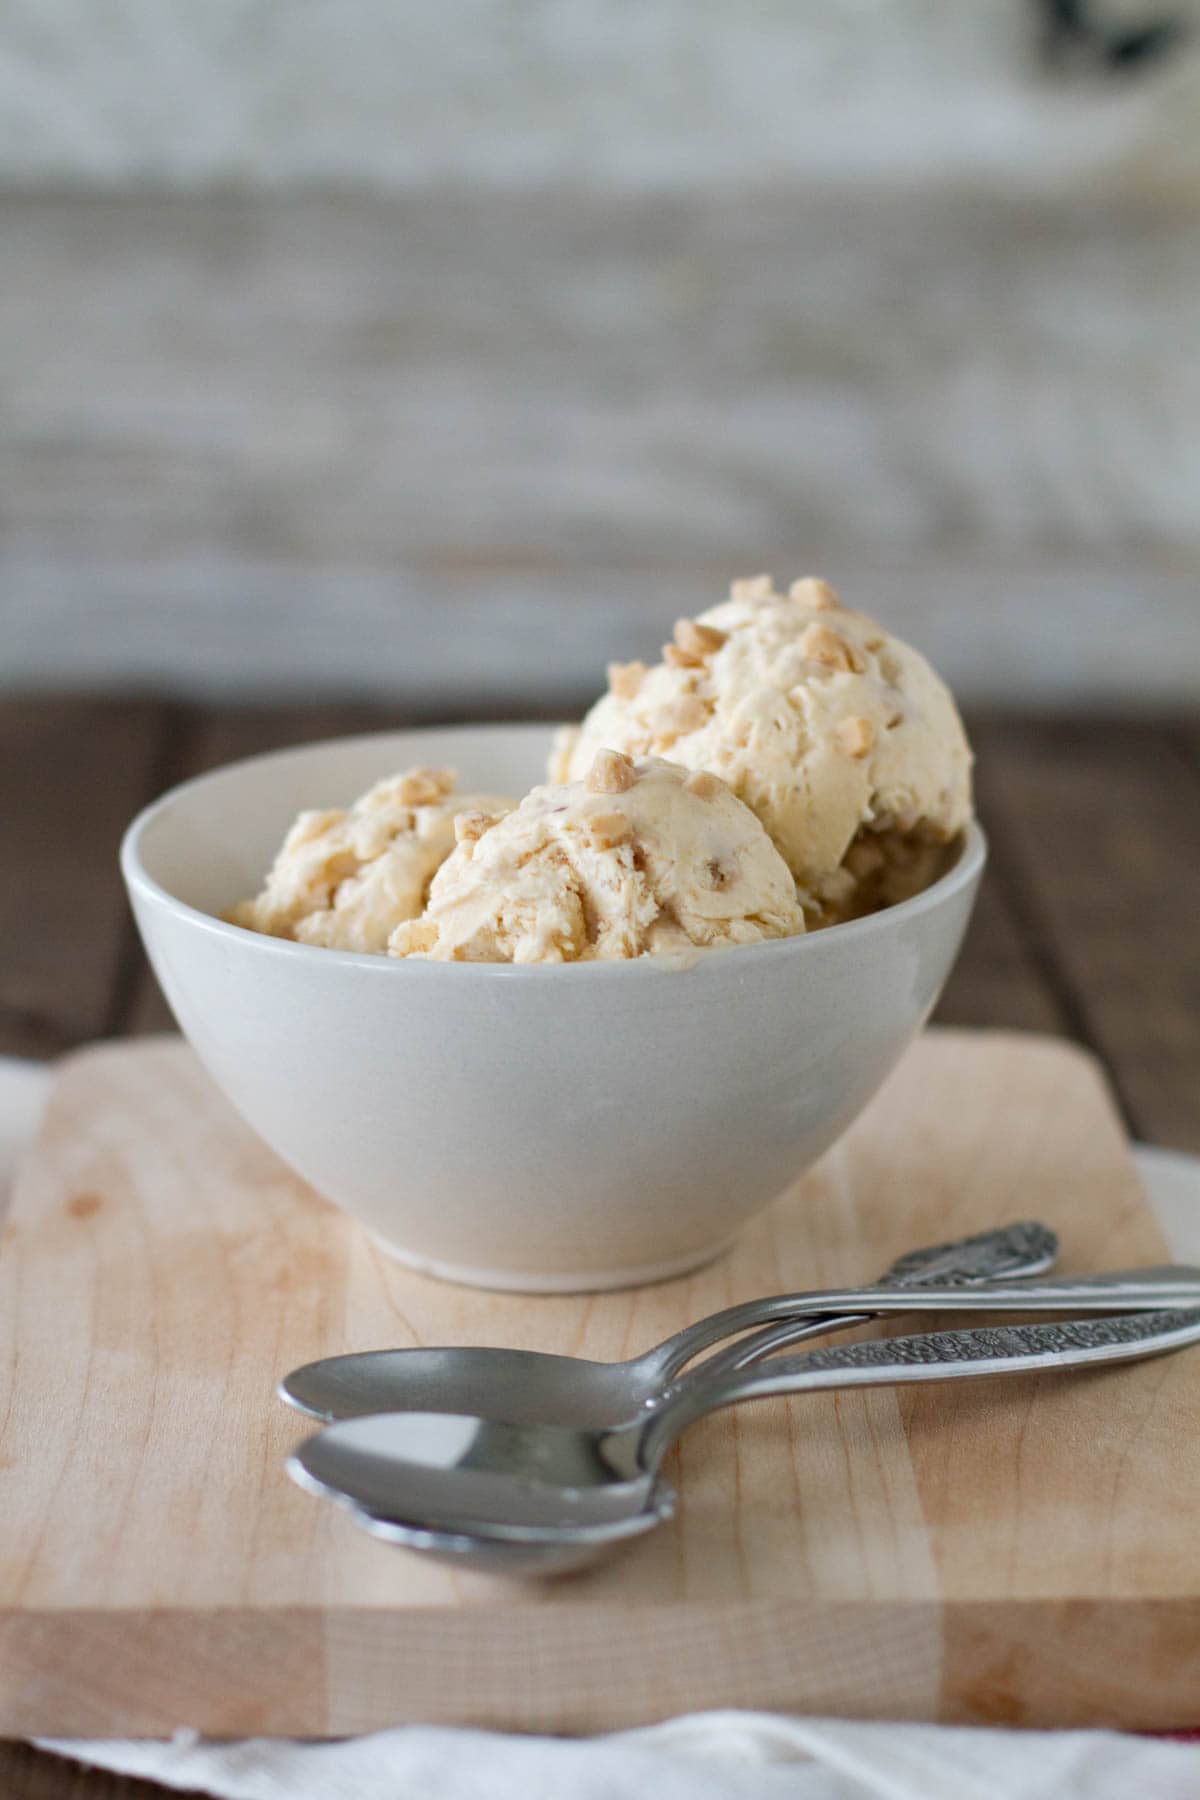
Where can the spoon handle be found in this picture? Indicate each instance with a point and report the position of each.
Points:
(1007, 1252)
(932, 1356)
(1119, 1290)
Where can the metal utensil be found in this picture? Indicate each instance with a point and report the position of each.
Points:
(531, 1387)
(540, 1499)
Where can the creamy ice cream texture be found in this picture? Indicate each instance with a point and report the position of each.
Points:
(788, 756)
(840, 737)
(635, 857)
(346, 878)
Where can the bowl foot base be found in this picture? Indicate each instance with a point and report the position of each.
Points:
(569, 1281)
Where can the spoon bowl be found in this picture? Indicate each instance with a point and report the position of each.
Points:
(482, 1479)
(542, 1552)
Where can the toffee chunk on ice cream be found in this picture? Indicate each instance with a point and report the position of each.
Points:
(635, 857)
(346, 878)
(839, 736)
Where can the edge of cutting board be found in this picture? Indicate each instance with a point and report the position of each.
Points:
(582, 1665)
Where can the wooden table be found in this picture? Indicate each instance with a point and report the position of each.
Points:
(1088, 925)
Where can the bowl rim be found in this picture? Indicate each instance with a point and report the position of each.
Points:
(965, 870)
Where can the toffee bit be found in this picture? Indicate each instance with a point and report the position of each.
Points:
(703, 785)
(470, 826)
(753, 587)
(688, 713)
(821, 645)
(810, 590)
(625, 679)
(414, 938)
(857, 736)
(676, 657)
(611, 773)
(424, 787)
(697, 639)
(609, 829)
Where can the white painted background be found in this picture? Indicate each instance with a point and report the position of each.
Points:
(420, 348)
(624, 93)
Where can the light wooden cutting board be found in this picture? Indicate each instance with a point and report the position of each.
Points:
(1022, 1551)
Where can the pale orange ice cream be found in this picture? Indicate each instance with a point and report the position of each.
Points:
(635, 857)
(346, 878)
(839, 736)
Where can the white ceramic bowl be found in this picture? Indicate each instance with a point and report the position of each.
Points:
(545, 1128)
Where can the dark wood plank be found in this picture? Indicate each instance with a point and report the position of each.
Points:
(28, 1774)
(1100, 823)
(227, 733)
(1188, 735)
(204, 740)
(997, 983)
(72, 773)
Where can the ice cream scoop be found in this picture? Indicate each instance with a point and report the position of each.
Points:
(838, 735)
(345, 878)
(635, 857)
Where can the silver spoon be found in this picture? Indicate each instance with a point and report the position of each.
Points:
(542, 1499)
(532, 1387)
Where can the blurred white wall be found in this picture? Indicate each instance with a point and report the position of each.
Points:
(625, 93)
(425, 351)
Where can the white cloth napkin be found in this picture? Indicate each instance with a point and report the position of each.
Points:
(707, 1756)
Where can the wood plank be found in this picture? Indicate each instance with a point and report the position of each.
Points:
(1100, 822)
(72, 773)
(999, 981)
(996, 982)
(863, 1553)
(1187, 736)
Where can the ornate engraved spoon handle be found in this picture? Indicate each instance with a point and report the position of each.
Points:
(1007, 1252)
(931, 1356)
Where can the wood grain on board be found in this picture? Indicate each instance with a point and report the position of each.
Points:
(952, 1553)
